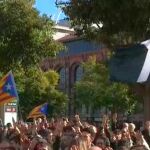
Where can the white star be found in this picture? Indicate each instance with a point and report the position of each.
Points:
(8, 86)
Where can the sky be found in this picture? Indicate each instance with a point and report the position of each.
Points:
(48, 7)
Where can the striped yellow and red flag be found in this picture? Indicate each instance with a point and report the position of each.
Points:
(39, 111)
(8, 90)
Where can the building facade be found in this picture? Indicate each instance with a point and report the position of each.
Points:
(68, 62)
(68, 65)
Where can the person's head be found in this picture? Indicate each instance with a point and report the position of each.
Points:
(118, 135)
(147, 125)
(39, 120)
(87, 136)
(125, 127)
(41, 146)
(77, 118)
(131, 127)
(125, 135)
(85, 124)
(41, 143)
(68, 130)
(67, 137)
(93, 129)
(9, 126)
(81, 143)
(77, 129)
(102, 142)
(65, 141)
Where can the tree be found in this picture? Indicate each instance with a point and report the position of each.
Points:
(112, 22)
(38, 87)
(25, 37)
(95, 90)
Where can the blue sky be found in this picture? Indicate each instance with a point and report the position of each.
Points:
(48, 7)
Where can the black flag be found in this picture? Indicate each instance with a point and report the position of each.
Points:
(132, 64)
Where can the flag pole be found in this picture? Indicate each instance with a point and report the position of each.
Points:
(17, 97)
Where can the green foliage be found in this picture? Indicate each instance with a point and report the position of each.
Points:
(112, 22)
(58, 101)
(25, 36)
(52, 77)
(116, 24)
(96, 90)
(36, 87)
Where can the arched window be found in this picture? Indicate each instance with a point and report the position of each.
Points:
(62, 77)
(78, 73)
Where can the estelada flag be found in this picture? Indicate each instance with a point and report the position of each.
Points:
(39, 111)
(8, 90)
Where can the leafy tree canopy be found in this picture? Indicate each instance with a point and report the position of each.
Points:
(25, 36)
(96, 90)
(37, 87)
(112, 22)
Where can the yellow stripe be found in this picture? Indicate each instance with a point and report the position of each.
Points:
(35, 116)
(1, 84)
(3, 95)
(3, 79)
(36, 109)
(6, 101)
(36, 113)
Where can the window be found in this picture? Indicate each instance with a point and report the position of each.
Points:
(62, 77)
(78, 73)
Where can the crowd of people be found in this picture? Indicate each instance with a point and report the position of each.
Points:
(74, 134)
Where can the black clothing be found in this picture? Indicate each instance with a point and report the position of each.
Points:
(146, 134)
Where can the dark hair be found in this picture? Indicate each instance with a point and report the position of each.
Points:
(67, 128)
(64, 119)
(123, 148)
(9, 125)
(117, 131)
(105, 139)
(87, 130)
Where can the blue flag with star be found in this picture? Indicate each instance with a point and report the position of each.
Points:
(8, 90)
(39, 111)
(44, 109)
